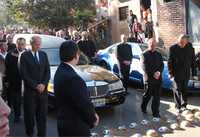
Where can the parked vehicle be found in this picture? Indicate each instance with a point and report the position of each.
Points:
(107, 59)
(104, 87)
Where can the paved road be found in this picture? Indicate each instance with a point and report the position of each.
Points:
(124, 114)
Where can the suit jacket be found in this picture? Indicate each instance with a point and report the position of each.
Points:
(181, 61)
(152, 62)
(33, 73)
(2, 66)
(12, 70)
(76, 114)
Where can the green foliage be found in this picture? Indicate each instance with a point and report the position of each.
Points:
(51, 13)
(82, 18)
(15, 9)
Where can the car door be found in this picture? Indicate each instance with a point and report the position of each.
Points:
(136, 71)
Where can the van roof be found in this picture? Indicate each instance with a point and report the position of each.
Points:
(48, 41)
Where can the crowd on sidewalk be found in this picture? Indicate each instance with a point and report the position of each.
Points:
(76, 114)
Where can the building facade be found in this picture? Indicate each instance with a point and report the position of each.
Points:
(171, 18)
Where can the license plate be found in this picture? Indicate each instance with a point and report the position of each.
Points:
(197, 84)
(99, 102)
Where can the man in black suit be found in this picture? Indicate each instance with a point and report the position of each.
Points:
(11, 45)
(3, 53)
(35, 71)
(152, 63)
(124, 56)
(87, 46)
(181, 62)
(76, 114)
(14, 79)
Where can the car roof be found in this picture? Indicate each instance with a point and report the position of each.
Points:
(48, 41)
(131, 43)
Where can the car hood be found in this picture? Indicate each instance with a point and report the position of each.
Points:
(91, 73)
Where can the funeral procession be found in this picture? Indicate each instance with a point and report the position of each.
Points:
(99, 68)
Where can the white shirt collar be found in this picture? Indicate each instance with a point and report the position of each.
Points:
(3, 55)
(73, 67)
(37, 54)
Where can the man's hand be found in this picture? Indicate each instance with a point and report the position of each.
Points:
(195, 78)
(157, 75)
(40, 88)
(97, 120)
(127, 62)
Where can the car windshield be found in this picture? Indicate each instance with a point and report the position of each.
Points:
(54, 59)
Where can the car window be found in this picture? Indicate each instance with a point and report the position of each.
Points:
(54, 58)
(136, 50)
(83, 59)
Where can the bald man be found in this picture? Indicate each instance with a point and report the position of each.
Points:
(181, 62)
(152, 62)
(35, 71)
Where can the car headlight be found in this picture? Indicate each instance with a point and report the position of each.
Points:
(115, 86)
(50, 88)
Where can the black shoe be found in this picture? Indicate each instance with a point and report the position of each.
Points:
(156, 115)
(144, 111)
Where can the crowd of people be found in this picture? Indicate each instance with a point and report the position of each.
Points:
(140, 32)
(30, 69)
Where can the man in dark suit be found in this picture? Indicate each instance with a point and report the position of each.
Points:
(3, 53)
(124, 56)
(87, 46)
(152, 63)
(181, 62)
(76, 114)
(11, 45)
(14, 79)
(35, 71)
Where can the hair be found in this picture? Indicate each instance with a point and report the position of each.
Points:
(2, 42)
(183, 36)
(68, 51)
(21, 40)
(33, 39)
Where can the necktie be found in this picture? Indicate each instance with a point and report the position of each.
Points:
(36, 58)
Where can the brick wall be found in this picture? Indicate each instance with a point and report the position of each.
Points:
(171, 21)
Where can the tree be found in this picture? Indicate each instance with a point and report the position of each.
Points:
(51, 13)
(83, 18)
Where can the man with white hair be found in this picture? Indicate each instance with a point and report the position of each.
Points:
(35, 72)
(180, 63)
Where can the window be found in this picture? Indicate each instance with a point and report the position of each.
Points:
(165, 1)
(123, 13)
